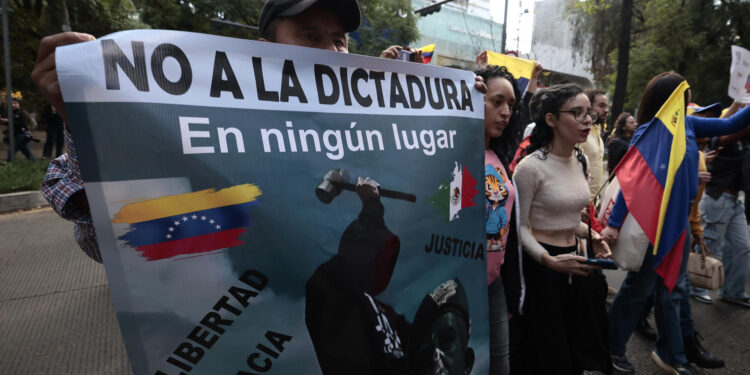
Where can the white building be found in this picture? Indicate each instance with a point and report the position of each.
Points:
(460, 30)
(551, 42)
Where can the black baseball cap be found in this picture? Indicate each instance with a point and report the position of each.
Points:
(346, 10)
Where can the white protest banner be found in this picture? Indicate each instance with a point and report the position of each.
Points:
(264, 208)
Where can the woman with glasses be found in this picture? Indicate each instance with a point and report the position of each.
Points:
(564, 326)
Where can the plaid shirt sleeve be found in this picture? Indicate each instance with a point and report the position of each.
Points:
(63, 179)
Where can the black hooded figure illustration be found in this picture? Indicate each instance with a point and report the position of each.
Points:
(353, 332)
(439, 342)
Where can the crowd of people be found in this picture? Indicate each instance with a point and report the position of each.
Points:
(547, 300)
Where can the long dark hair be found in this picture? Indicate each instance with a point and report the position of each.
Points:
(656, 94)
(545, 101)
(622, 119)
(505, 145)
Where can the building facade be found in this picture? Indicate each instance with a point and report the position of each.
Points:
(460, 30)
(551, 44)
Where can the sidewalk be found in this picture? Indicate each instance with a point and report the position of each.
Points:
(56, 315)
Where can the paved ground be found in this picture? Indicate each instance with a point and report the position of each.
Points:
(56, 316)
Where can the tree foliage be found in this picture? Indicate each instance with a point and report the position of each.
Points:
(384, 23)
(691, 37)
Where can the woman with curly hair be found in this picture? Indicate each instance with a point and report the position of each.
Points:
(501, 114)
(564, 326)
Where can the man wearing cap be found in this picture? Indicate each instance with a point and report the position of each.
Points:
(322, 24)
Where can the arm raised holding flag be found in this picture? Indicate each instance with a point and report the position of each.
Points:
(659, 178)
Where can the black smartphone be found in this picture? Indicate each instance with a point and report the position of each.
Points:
(608, 264)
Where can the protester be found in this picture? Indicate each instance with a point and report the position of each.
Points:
(639, 286)
(21, 130)
(593, 146)
(501, 114)
(524, 117)
(564, 321)
(55, 132)
(723, 218)
(625, 126)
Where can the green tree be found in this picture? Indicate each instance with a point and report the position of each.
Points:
(691, 37)
(30, 20)
(196, 16)
(384, 23)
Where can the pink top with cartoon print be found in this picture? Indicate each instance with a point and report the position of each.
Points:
(499, 197)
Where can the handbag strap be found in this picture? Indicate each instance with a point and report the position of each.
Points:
(705, 251)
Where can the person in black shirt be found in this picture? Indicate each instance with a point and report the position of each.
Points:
(625, 126)
(55, 135)
(21, 134)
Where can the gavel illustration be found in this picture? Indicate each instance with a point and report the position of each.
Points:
(337, 180)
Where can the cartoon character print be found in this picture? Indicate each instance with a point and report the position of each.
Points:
(496, 218)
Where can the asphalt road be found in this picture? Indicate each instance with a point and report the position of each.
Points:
(56, 314)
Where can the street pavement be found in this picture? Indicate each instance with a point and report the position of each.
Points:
(56, 314)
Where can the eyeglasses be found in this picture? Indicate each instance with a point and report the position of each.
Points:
(580, 115)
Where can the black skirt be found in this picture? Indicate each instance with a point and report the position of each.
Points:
(565, 324)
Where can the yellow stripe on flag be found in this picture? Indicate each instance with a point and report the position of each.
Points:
(428, 48)
(672, 115)
(517, 66)
(183, 203)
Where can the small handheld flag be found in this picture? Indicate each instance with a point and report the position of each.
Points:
(427, 52)
(520, 68)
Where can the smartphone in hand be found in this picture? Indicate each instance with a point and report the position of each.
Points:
(603, 263)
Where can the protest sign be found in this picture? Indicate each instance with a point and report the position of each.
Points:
(739, 75)
(233, 187)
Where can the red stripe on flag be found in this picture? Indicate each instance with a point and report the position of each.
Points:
(467, 185)
(192, 245)
(642, 191)
(669, 268)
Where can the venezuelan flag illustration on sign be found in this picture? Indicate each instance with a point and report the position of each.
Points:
(188, 224)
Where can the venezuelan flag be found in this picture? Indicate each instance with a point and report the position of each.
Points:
(654, 182)
(520, 68)
(427, 52)
(191, 223)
